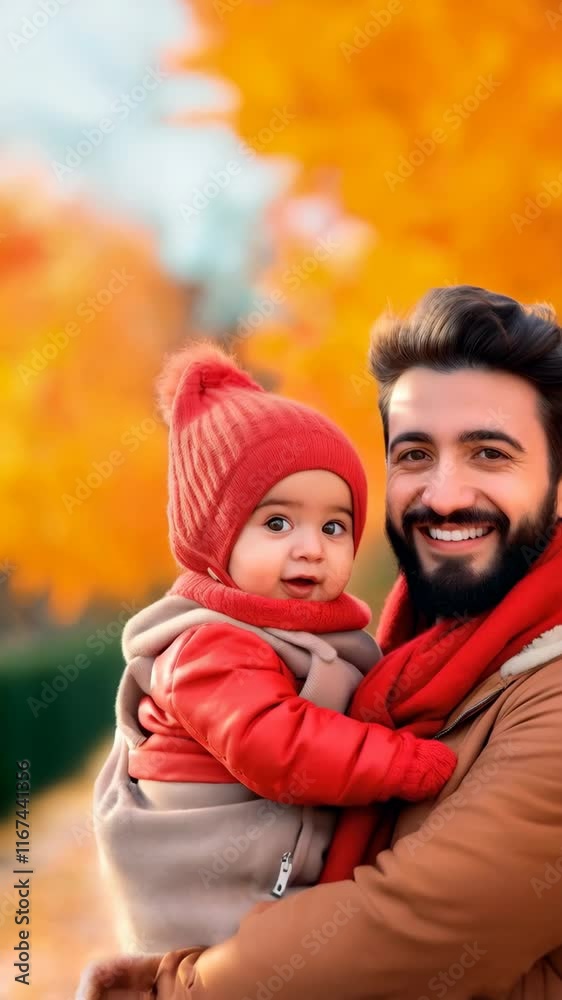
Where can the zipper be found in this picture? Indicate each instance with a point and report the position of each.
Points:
(468, 713)
(284, 875)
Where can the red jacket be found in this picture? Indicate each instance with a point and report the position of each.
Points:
(225, 708)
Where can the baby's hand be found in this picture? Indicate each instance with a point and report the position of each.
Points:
(121, 977)
(432, 765)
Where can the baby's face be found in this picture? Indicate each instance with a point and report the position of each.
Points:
(298, 543)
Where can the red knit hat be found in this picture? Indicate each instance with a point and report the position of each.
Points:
(230, 441)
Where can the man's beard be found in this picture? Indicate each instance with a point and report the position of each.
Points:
(453, 589)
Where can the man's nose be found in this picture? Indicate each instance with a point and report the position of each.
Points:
(448, 488)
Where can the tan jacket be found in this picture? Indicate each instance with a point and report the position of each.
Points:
(467, 903)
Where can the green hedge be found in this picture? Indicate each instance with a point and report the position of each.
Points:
(57, 699)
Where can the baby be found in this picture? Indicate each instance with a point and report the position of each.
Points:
(232, 746)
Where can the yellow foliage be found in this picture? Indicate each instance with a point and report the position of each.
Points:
(429, 133)
(84, 320)
(436, 124)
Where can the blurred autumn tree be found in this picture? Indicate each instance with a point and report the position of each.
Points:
(85, 315)
(426, 150)
(435, 124)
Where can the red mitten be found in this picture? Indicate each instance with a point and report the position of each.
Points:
(432, 765)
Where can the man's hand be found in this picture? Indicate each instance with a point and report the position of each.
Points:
(138, 977)
(121, 977)
(142, 977)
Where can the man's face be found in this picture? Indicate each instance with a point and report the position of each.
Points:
(468, 488)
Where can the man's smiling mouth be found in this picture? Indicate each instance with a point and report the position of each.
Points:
(456, 534)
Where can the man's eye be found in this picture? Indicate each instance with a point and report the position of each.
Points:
(492, 453)
(414, 455)
(278, 524)
(333, 528)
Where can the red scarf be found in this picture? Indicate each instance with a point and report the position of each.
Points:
(422, 678)
(340, 615)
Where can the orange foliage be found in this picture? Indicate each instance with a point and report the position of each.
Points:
(85, 317)
(428, 143)
(434, 123)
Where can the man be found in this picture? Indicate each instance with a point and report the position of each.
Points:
(465, 901)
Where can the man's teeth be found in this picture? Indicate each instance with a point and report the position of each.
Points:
(458, 535)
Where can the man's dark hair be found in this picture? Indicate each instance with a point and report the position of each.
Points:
(463, 326)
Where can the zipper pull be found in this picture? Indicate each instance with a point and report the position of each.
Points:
(284, 874)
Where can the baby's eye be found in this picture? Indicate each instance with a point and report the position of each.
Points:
(333, 528)
(278, 524)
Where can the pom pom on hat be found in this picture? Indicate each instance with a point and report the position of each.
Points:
(197, 367)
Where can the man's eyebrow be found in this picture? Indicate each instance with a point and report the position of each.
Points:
(279, 502)
(491, 434)
(481, 434)
(410, 436)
